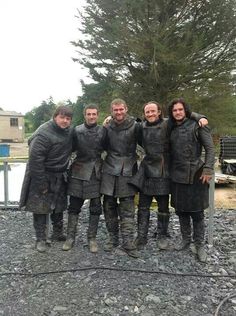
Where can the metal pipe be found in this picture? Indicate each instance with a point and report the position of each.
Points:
(6, 195)
(6, 162)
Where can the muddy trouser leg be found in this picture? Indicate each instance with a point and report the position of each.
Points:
(39, 222)
(198, 228)
(110, 208)
(127, 211)
(143, 219)
(57, 223)
(163, 217)
(94, 214)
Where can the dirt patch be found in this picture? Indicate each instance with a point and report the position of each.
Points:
(225, 196)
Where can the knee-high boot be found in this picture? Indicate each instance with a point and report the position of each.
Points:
(185, 228)
(39, 222)
(95, 210)
(198, 235)
(57, 223)
(71, 231)
(163, 223)
(92, 232)
(112, 223)
(127, 211)
(143, 225)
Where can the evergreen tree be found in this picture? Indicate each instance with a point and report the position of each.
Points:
(159, 49)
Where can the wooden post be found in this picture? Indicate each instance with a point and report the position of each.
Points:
(48, 229)
(211, 210)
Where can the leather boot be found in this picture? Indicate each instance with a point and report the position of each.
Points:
(112, 242)
(71, 231)
(185, 228)
(163, 223)
(127, 211)
(198, 238)
(39, 222)
(143, 225)
(41, 246)
(57, 223)
(112, 223)
(92, 232)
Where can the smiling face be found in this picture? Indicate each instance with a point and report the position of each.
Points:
(152, 112)
(119, 112)
(91, 116)
(62, 120)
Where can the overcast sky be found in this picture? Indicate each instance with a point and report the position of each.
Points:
(36, 54)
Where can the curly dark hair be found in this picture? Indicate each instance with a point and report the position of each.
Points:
(185, 105)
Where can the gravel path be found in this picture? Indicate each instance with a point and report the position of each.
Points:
(105, 284)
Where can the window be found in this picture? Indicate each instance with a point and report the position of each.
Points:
(13, 121)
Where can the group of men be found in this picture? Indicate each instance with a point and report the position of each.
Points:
(172, 164)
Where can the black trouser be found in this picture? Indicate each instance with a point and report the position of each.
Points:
(76, 204)
(145, 202)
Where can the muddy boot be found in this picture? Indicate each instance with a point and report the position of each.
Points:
(92, 232)
(127, 211)
(143, 225)
(185, 228)
(41, 246)
(163, 243)
(71, 231)
(112, 223)
(57, 223)
(198, 236)
(132, 252)
(201, 253)
(39, 222)
(93, 247)
(112, 243)
(163, 223)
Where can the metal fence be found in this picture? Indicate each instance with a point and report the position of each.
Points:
(6, 162)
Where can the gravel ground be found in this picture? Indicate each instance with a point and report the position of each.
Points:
(107, 284)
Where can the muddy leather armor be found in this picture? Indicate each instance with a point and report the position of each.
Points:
(156, 145)
(121, 148)
(88, 143)
(186, 148)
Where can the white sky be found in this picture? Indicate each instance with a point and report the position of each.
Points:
(36, 54)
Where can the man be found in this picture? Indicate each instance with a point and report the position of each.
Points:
(119, 166)
(189, 174)
(84, 178)
(153, 178)
(44, 186)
